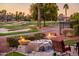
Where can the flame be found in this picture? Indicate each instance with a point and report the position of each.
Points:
(22, 39)
(49, 35)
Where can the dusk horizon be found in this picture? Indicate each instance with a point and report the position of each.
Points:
(39, 29)
(25, 7)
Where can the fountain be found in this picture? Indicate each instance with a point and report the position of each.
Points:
(23, 47)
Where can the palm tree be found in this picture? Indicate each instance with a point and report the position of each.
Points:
(39, 15)
(23, 15)
(3, 14)
(20, 16)
(0, 15)
(66, 7)
(17, 16)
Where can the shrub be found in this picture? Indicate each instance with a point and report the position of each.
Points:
(13, 42)
(68, 32)
(37, 36)
(70, 42)
(31, 38)
(76, 28)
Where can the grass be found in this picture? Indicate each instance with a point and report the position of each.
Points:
(14, 54)
(13, 33)
(21, 25)
(3, 34)
(16, 27)
(70, 42)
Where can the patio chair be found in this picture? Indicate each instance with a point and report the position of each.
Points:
(59, 46)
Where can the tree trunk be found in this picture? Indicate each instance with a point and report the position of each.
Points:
(66, 12)
(39, 21)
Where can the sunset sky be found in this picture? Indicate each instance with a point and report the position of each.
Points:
(25, 7)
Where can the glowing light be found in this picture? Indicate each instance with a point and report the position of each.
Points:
(23, 40)
(49, 35)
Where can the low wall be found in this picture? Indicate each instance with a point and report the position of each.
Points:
(4, 47)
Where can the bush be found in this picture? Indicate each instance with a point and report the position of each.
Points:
(70, 42)
(68, 32)
(31, 38)
(73, 23)
(37, 36)
(13, 42)
(76, 28)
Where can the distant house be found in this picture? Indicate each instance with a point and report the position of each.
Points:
(64, 21)
(62, 17)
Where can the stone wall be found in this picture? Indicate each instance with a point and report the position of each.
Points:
(4, 47)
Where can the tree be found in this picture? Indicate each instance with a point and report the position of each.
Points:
(0, 15)
(75, 16)
(29, 17)
(48, 11)
(20, 16)
(75, 19)
(9, 16)
(76, 28)
(35, 12)
(3, 14)
(66, 7)
(17, 16)
(23, 15)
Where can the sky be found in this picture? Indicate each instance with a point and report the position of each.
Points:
(25, 7)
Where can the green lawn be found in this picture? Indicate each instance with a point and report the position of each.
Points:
(14, 54)
(13, 33)
(4, 34)
(70, 42)
(16, 26)
(12, 26)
